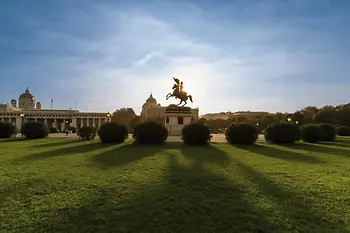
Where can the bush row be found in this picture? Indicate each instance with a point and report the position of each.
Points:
(193, 134)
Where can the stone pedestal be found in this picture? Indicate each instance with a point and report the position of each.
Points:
(175, 118)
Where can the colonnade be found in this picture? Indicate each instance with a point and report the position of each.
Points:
(60, 123)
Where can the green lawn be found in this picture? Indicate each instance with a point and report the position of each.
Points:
(65, 185)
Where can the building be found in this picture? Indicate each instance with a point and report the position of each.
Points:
(153, 110)
(29, 110)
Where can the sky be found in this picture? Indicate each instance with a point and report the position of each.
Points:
(102, 55)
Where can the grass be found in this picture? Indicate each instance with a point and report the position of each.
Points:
(65, 185)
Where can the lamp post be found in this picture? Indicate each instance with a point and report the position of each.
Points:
(22, 117)
(297, 122)
(108, 117)
(289, 119)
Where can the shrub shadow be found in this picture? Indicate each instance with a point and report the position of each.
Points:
(189, 200)
(7, 140)
(204, 154)
(320, 148)
(59, 142)
(129, 153)
(294, 204)
(275, 152)
(78, 149)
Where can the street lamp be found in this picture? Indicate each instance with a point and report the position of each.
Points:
(289, 119)
(108, 117)
(297, 122)
(22, 117)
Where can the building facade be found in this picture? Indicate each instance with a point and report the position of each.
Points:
(29, 110)
(153, 110)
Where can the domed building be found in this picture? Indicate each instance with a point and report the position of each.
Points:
(27, 110)
(26, 100)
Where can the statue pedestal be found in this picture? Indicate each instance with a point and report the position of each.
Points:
(175, 118)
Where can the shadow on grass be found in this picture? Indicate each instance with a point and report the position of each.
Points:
(275, 152)
(320, 148)
(78, 149)
(189, 200)
(129, 153)
(7, 140)
(204, 154)
(57, 142)
(296, 207)
(337, 143)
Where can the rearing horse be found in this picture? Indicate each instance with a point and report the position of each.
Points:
(182, 95)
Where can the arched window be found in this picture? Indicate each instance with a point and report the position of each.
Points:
(180, 120)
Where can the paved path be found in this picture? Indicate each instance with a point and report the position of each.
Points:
(216, 137)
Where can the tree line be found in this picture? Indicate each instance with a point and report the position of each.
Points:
(335, 115)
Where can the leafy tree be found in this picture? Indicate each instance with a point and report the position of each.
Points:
(343, 116)
(280, 117)
(241, 120)
(327, 116)
(267, 120)
(123, 116)
(201, 121)
(298, 118)
(309, 114)
(134, 122)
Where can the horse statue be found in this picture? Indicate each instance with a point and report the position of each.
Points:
(179, 93)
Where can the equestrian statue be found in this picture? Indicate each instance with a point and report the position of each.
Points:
(179, 93)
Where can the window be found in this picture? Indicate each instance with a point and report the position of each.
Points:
(180, 120)
(167, 119)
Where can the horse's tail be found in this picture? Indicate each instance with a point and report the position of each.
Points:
(190, 97)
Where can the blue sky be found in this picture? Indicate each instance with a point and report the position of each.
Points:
(232, 55)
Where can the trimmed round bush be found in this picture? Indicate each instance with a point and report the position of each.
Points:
(35, 130)
(242, 134)
(196, 134)
(87, 133)
(330, 133)
(312, 133)
(7, 130)
(53, 130)
(113, 133)
(150, 132)
(73, 129)
(343, 131)
(282, 133)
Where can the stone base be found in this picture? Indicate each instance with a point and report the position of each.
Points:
(176, 118)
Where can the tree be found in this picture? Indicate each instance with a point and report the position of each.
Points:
(298, 118)
(202, 121)
(309, 114)
(123, 116)
(241, 120)
(134, 122)
(327, 116)
(281, 117)
(267, 120)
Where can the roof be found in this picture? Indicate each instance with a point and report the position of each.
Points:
(151, 99)
(26, 95)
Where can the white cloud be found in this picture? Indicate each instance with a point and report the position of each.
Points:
(138, 53)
